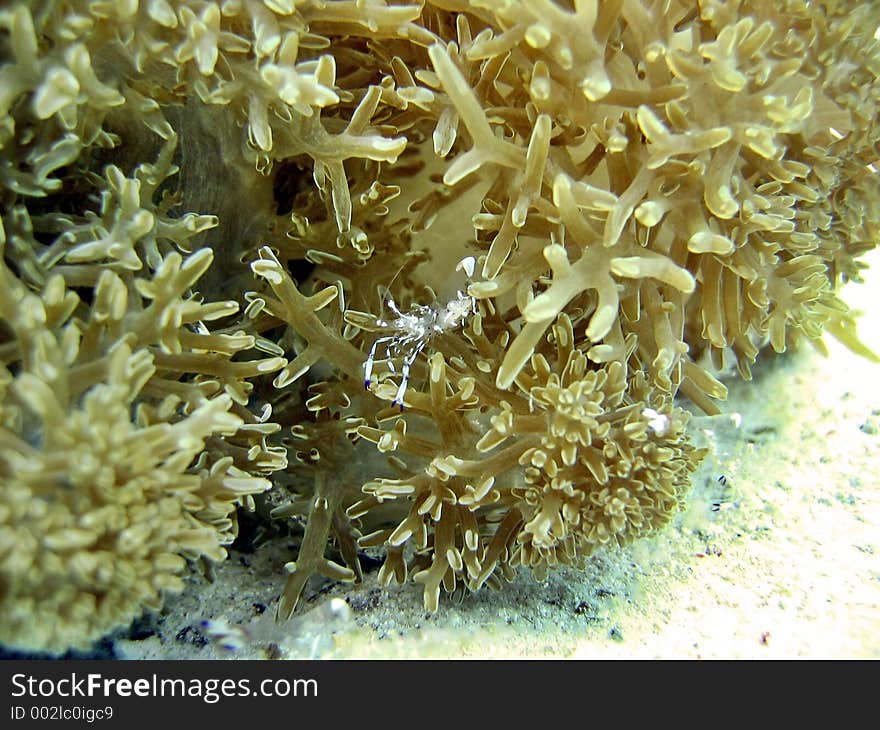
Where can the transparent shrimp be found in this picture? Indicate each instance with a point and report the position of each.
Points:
(407, 333)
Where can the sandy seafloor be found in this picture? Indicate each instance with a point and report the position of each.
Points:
(788, 566)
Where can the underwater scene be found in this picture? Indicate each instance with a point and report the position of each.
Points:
(439, 328)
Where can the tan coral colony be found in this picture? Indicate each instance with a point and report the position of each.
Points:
(209, 209)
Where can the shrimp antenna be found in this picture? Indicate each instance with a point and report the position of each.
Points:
(385, 290)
